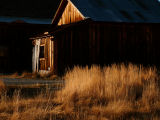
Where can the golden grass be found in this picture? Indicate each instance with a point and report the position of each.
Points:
(112, 92)
(18, 108)
(2, 88)
(115, 92)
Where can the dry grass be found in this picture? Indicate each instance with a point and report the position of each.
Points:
(18, 108)
(2, 88)
(112, 92)
(115, 92)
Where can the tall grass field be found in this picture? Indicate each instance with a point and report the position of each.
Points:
(115, 92)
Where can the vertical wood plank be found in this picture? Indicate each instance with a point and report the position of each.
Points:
(70, 15)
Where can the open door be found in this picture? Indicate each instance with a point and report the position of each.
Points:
(35, 55)
(42, 59)
(43, 54)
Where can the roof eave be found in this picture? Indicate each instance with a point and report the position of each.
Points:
(59, 12)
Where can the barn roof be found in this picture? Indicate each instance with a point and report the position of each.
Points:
(120, 10)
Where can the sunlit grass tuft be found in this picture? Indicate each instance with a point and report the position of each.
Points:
(109, 93)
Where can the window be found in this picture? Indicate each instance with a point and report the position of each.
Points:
(41, 52)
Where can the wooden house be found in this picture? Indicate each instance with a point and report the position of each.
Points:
(86, 32)
(17, 25)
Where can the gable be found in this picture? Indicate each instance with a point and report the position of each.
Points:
(70, 15)
(67, 13)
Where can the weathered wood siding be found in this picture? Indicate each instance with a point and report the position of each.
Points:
(71, 48)
(70, 15)
(107, 43)
(47, 53)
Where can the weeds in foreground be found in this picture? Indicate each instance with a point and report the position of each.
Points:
(2, 88)
(19, 108)
(112, 92)
(115, 92)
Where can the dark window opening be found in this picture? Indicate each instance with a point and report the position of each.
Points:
(126, 15)
(140, 15)
(41, 52)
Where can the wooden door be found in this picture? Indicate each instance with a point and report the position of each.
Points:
(42, 59)
(45, 54)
